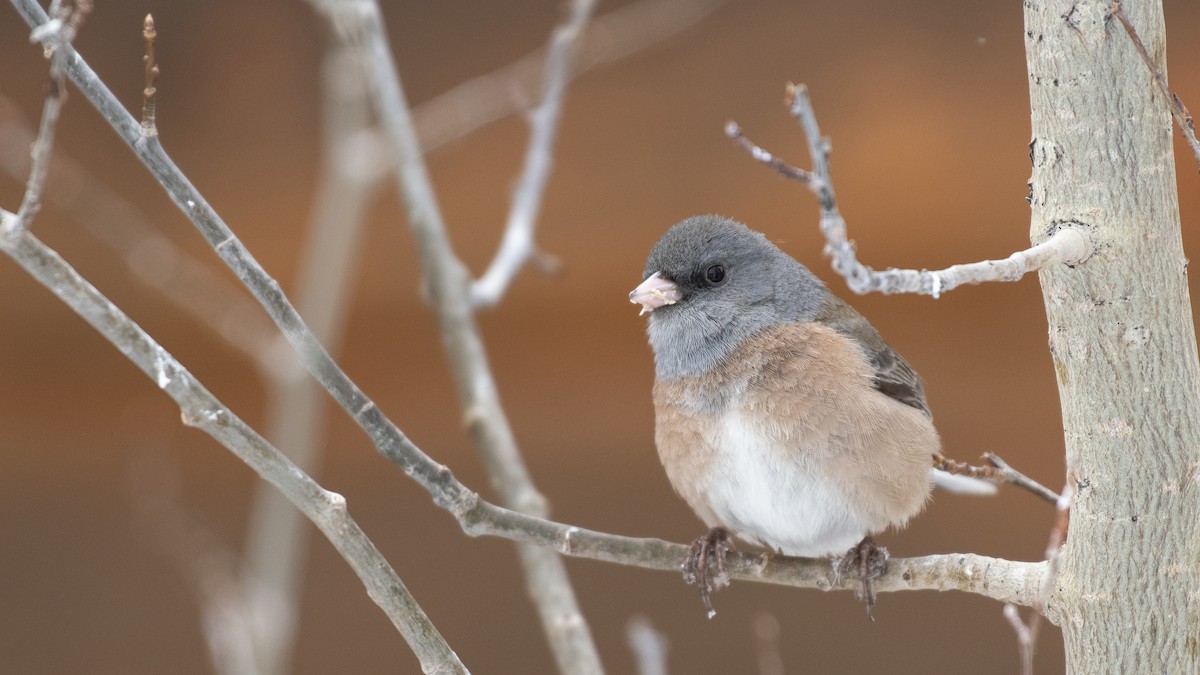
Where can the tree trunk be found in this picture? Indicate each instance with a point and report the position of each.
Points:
(1121, 338)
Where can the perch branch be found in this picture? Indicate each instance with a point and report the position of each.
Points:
(1008, 581)
(517, 245)
(200, 409)
(1178, 110)
(447, 282)
(1068, 244)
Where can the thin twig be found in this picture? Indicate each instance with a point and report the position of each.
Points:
(1028, 632)
(1178, 110)
(53, 34)
(517, 245)
(1025, 636)
(766, 631)
(153, 259)
(201, 558)
(649, 646)
(513, 88)
(1067, 244)
(200, 409)
(999, 471)
(447, 282)
(151, 63)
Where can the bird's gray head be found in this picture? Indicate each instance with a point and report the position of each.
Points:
(709, 283)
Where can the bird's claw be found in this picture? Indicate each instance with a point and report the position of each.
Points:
(867, 561)
(704, 554)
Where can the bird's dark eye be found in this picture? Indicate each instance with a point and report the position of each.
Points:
(715, 274)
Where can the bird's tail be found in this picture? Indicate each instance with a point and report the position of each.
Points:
(963, 485)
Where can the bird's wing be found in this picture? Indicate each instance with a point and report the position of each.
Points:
(893, 376)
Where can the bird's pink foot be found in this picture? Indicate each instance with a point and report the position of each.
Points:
(867, 561)
(706, 553)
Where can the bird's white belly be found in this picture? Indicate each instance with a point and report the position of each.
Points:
(774, 496)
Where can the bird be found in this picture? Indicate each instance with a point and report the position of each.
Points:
(781, 416)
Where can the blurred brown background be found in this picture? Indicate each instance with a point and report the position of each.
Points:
(927, 106)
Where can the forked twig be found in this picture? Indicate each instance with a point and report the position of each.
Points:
(998, 471)
(1067, 243)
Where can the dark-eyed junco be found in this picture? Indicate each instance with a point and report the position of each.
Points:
(781, 415)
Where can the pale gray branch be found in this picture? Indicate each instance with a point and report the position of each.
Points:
(517, 245)
(1068, 243)
(327, 510)
(447, 283)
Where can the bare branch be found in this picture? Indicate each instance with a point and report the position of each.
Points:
(1067, 242)
(447, 282)
(327, 510)
(1178, 110)
(517, 245)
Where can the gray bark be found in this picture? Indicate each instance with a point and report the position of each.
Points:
(1121, 338)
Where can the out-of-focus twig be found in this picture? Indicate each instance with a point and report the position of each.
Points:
(276, 540)
(649, 646)
(448, 284)
(517, 245)
(55, 34)
(1068, 244)
(151, 257)
(766, 631)
(1025, 636)
(513, 88)
(196, 553)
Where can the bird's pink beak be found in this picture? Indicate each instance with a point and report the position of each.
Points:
(653, 293)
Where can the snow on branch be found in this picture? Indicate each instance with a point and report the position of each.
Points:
(1067, 244)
